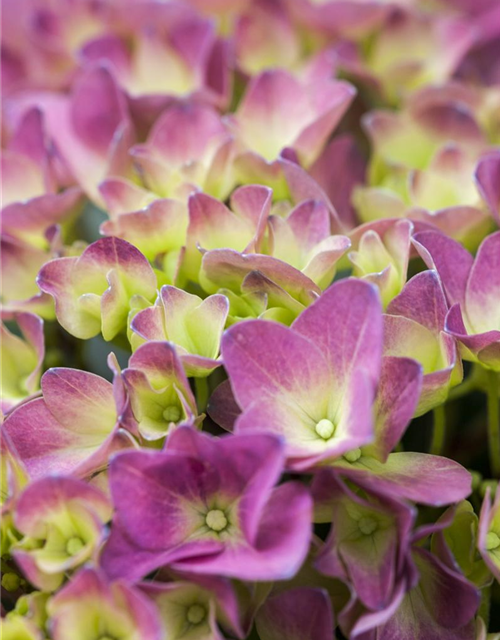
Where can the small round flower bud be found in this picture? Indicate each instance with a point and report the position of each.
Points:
(216, 520)
(11, 581)
(172, 413)
(196, 614)
(492, 541)
(367, 525)
(353, 456)
(325, 429)
(74, 545)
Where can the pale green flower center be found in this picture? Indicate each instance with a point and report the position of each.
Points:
(325, 429)
(216, 520)
(353, 456)
(367, 525)
(196, 613)
(74, 545)
(172, 413)
(492, 541)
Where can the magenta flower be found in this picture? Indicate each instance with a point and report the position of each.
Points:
(369, 541)
(196, 606)
(489, 533)
(94, 292)
(91, 602)
(72, 429)
(207, 506)
(414, 327)
(472, 287)
(488, 182)
(31, 203)
(90, 128)
(194, 325)
(303, 116)
(433, 600)
(326, 410)
(299, 613)
(158, 394)
(156, 227)
(22, 358)
(160, 37)
(62, 524)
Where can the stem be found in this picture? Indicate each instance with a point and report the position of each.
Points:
(493, 422)
(201, 388)
(471, 384)
(439, 431)
(484, 606)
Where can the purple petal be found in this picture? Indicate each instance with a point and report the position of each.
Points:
(452, 262)
(297, 614)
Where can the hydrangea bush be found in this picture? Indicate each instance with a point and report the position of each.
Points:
(250, 320)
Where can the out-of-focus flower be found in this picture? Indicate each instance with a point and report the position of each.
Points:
(61, 520)
(89, 602)
(410, 50)
(488, 182)
(194, 325)
(72, 429)
(95, 292)
(414, 327)
(22, 358)
(488, 541)
(13, 478)
(353, 18)
(30, 201)
(278, 113)
(299, 613)
(90, 128)
(472, 287)
(217, 511)
(158, 392)
(382, 256)
(18, 628)
(327, 410)
(423, 168)
(164, 36)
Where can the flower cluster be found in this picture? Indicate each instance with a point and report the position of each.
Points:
(250, 313)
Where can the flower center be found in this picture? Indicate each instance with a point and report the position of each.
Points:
(172, 413)
(196, 613)
(216, 520)
(352, 456)
(367, 525)
(325, 429)
(492, 541)
(74, 545)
